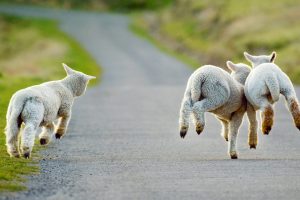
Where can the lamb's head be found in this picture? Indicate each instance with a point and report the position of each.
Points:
(239, 71)
(257, 60)
(76, 81)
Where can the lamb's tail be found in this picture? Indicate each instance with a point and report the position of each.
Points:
(13, 116)
(196, 88)
(273, 86)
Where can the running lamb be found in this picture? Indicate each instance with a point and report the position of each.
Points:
(39, 106)
(212, 89)
(263, 87)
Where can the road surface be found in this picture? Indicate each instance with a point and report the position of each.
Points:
(123, 140)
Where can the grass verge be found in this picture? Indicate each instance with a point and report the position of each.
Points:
(31, 52)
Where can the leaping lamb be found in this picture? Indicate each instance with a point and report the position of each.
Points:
(212, 89)
(263, 87)
(39, 106)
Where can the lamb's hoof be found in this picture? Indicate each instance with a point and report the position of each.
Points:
(266, 130)
(199, 129)
(14, 154)
(226, 139)
(183, 131)
(26, 155)
(233, 155)
(298, 127)
(252, 146)
(58, 136)
(44, 141)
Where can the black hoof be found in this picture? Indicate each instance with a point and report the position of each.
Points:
(43, 141)
(182, 134)
(252, 146)
(26, 155)
(267, 130)
(234, 157)
(57, 136)
(199, 129)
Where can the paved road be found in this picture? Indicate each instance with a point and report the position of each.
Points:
(123, 141)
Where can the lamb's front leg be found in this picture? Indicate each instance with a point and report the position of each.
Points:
(234, 126)
(252, 136)
(225, 129)
(46, 134)
(62, 125)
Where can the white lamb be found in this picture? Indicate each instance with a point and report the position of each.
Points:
(212, 89)
(263, 87)
(39, 106)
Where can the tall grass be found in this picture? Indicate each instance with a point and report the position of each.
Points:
(119, 5)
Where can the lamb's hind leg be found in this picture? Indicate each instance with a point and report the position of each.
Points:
(267, 114)
(293, 105)
(184, 117)
(12, 131)
(32, 115)
(205, 105)
(46, 134)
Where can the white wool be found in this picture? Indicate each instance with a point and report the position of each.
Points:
(212, 89)
(265, 83)
(39, 106)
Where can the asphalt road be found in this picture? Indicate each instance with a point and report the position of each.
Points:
(123, 140)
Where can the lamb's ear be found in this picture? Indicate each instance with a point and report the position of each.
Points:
(272, 56)
(249, 57)
(68, 70)
(231, 66)
(90, 77)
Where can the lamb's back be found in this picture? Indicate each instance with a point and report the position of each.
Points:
(212, 76)
(49, 94)
(256, 82)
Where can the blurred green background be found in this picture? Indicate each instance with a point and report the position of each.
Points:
(209, 32)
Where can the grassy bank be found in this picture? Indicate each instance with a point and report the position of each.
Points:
(215, 31)
(31, 52)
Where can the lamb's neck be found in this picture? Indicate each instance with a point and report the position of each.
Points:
(69, 83)
(242, 81)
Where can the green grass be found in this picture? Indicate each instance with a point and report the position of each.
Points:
(211, 32)
(137, 28)
(100, 5)
(31, 52)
